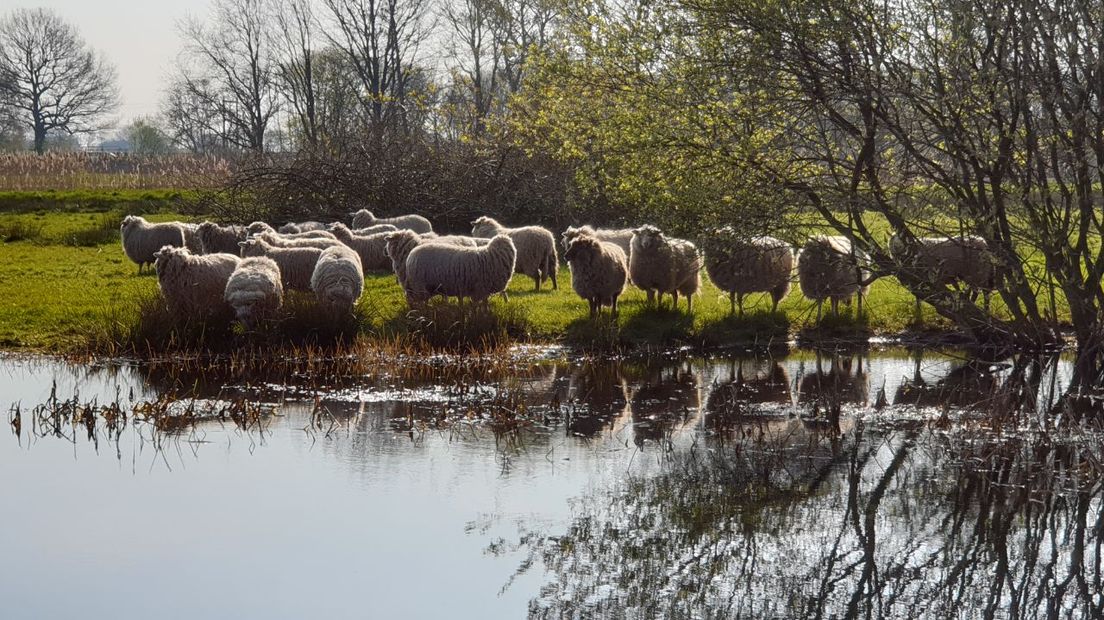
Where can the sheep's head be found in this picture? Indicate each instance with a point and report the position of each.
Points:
(252, 246)
(395, 241)
(364, 214)
(257, 228)
(289, 228)
(649, 236)
(205, 227)
(129, 222)
(582, 246)
(483, 225)
(340, 230)
(339, 294)
(571, 233)
(167, 255)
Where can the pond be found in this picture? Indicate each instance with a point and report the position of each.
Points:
(873, 483)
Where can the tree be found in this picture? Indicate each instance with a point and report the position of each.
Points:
(146, 138)
(228, 67)
(50, 77)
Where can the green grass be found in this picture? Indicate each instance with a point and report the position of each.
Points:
(69, 201)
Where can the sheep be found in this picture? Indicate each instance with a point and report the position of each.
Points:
(141, 239)
(192, 285)
(828, 267)
(371, 230)
(254, 289)
(257, 228)
(296, 264)
(756, 265)
(947, 260)
(400, 243)
(338, 280)
(458, 271)
(372, 249)
(300, 227)
(214, 238)
(364, 218)
(621, 236)
(536, 248)
(283, 241)
(599, 270)
(191, 238)
(660, 264)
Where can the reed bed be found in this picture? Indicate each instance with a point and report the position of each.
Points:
(111, 171)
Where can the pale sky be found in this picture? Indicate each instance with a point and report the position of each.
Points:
(138, 37)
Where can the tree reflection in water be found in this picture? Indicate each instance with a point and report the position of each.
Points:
(998, 516)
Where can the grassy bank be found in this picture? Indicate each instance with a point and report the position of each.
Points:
(66, 285)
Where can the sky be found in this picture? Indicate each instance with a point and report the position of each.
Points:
(138, 37)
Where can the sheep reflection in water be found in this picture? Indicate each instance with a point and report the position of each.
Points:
(968, 385)
(742, 394)
(665, 401)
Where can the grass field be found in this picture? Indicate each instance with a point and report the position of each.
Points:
(66, 285)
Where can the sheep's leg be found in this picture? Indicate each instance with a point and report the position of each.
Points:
(537, 280)
(835, 306)
(731, 303)
(740, 301)
(820, 308)
(505, 296)
(613, 308)
(651, 296)
(916, 314)
(985, 301)
(593, 308)
(858, 305)
(674, 301)
(690, 305)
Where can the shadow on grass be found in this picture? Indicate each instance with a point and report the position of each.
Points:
(449, 326)
(598, 335)
(844, 327)
(758, 329)
(658, 326)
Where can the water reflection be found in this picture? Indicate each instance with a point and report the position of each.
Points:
(664, 400)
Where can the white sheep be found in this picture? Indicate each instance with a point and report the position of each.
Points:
(756, 265)
(257, 228)
(296, 264)
(214, 238)
(300, 227)
(284, 241)
(458, 271)
(338, 279)
(400, 243)
(254, 289)
(945, 261)
(620, 236)
(536, 248)
(372, 249)
(599, 270)
(371, 230)
(191, 237)
(828, 267)
(142, 239)
(660, 264)
(193, 285)
(365, 218)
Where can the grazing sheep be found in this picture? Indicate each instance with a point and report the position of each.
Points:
(296, 264)
(621, 236)
(947, 260)
(828, 267)
(254, 290)
(536, 248)
(300, 227)
(364, 218)
(458, 271)
(662, 264)
(193, 285)
(284, 241)
(338, 279)
(214, 238)
(372, 249)
(757, 265)
(599, 270)
(141, 239)
(400, 243)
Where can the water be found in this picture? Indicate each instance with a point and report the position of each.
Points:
(879, 484)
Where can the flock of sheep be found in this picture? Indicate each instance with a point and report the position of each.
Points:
(204, 267)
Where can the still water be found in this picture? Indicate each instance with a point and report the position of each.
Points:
(879, 483)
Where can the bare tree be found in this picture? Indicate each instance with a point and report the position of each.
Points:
(193, 121)
(381, 39)
(49, 76)
(229, 67)
(295, 68)
(476, 50)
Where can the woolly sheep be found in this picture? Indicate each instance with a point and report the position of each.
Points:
(458, 271)
(283, 241)
(365, 218)
(741, 266)
(191, 237)
(296, 264)
(827, 268)
(338, 279)
(371, 230)
(193, 285)
(947, 260)
(621, 236)
(254, 290)
(141, 239)
(662, 264)
(400, 243)
(599, 270)
(536, 248)
(300, 227)
(214, 239)
(372, 249)
(257, 228)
